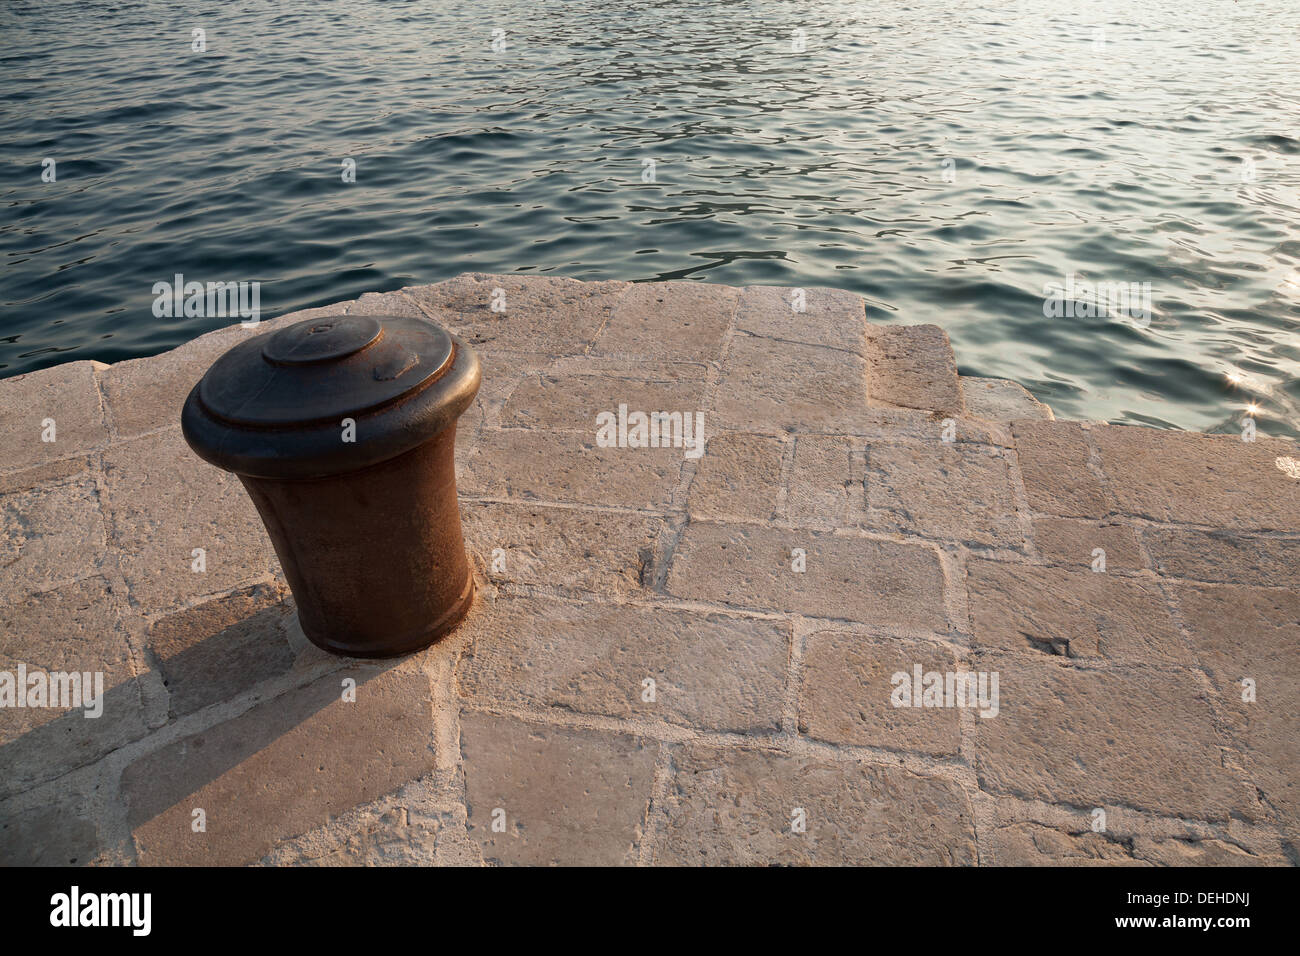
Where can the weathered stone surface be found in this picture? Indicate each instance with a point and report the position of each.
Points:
(859, 579)
(712, 671)
(146, 394)
(1200, 479)
(669, 321)
(1071, 542)
(49, 473)
(771, 387)
(1224, 556)
(63, 833)
(67, 394)
(549, 314)
(739, 476)
(1151, 724)
(1142, 738)
(161, 503)
(571, 401)
(949, 491)
(829, 317)
(398, 838)
(847, 688)
(502, 371)
(594, 551)
(285, 766)
(736, 807)
(827, 482)
(570, 467)
(1239, 632)
(879, 423)
(75, 628)
(1054, 462)
(913, 366)
(1199, 853)
(49, 535)
(385, 303)
(1079, 614)
(222, 648)
(1031, 844)
(999, 400)
(568, 797)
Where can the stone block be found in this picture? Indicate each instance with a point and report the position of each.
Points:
(566, 797)
(1077, 614)
(1143, 738)
(739, 477)
(1071, 542)
(669, 321)
(161, 503)
(547, 313)
(78, 628)
(832, 318)
(66, 394)
(710, 671)
(1184, 477)
(224, 647)
(999, 400)
(913, 366)
(49, 536)
(772, 387)
(729, 807)
(281, 768)
(570, 467)
(849, 578)
(610, 554)
(1054, 462)
(848, 687)
(948, 491)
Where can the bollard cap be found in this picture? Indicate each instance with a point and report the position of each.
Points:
(278, 405)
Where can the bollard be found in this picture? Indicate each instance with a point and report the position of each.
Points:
(342, 430)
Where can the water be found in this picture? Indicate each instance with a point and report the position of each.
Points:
(1103, 141)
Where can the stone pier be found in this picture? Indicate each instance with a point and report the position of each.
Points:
(673, 659)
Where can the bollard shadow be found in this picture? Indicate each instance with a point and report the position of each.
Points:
(163, 779)
(220, 658)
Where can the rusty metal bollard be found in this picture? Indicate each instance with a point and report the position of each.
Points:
(343, 430)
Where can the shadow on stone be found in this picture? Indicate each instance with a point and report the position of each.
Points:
(223, 648)
(227, 794)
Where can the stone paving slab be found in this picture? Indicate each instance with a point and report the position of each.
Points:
(1082, 737)
(913, 367)
(946, 491)
(713, 671)
(669, 322)
(740, 656)
(545, 795)
(761, 807)
(1071, 613)
(848, 683)
(871, 580)
(52, 414)
(78, 629)
(277, 769)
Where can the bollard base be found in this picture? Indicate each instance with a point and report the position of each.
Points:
(407, 644)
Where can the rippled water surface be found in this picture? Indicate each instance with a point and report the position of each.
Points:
(947, 160)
